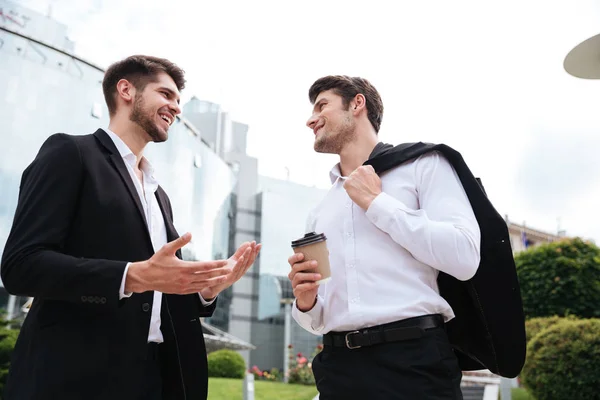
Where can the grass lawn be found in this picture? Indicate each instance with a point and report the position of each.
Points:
(521, 394)
(231, 389)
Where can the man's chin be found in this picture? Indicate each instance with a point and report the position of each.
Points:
(159, 137)
(323, 149)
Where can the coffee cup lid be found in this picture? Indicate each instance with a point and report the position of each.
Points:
(309, 238)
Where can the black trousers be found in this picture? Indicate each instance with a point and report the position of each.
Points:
(415, 369)
(150, 370)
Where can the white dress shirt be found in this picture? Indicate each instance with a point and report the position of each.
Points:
(146, 190)
(385, 261)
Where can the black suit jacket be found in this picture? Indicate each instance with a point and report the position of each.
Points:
(79, 221)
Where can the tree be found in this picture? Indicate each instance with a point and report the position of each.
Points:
(560, 278)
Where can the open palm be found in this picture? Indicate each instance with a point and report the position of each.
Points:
(238, 263)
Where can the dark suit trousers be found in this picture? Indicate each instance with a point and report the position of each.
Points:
(416, 369)
(150, 374)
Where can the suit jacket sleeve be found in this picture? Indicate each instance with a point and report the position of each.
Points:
(34, 262)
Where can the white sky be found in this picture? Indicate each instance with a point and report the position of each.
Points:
(483, 77)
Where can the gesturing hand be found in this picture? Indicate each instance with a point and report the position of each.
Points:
(238, 264)
(166, 273)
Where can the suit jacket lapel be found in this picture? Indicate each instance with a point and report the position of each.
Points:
(119, 164)
(117, 160)
(163, 203)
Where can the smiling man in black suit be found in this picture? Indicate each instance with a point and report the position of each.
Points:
(116, 311)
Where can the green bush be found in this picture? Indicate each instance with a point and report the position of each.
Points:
(564, 361)
(536, 325)
(8, 338)
(560, 278)
(226, 364)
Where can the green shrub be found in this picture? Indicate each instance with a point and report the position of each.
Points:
(8, 338)
(534, 326)
(226, 364)
(564, 361)
(560, 278)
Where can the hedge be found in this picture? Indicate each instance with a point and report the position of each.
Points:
(564, 361)
(226, 364)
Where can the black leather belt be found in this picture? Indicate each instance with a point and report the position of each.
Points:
(406, 329)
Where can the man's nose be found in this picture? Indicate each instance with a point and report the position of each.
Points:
(312, 121)
(175, 108)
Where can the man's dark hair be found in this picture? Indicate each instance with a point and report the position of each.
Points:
(348, 87)
(139, 70)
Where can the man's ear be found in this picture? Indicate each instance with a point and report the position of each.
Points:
(125, 90)
(358, 103)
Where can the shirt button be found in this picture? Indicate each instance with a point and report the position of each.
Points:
(145, 307)
(349, 234)
(350, 265)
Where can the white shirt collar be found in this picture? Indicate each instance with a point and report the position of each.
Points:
(335, 173)
(128, 155)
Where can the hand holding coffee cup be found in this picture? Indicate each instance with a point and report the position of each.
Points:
(310, 268)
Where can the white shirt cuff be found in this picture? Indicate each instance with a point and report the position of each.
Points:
(204, 302)
(311, 320)
(122, 294)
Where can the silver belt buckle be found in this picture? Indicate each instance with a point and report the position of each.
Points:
(348, 342)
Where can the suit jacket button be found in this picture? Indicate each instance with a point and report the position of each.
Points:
(103, 300)
(84, 298)
(146, 307)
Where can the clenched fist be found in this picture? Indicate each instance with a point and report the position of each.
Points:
(363, 185)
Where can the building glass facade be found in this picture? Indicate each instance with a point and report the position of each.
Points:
(284, 209)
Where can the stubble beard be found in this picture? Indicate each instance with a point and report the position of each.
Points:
(143, 118)
(333, 141)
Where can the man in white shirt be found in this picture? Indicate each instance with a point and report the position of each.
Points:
(388, 237)
(116, 311)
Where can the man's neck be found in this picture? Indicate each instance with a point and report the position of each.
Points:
(355, 153)
(132, 135)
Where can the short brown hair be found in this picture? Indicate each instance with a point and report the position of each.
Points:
(348, 87)
(139, 70)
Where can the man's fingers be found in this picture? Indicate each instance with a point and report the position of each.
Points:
(206, 274)
(194, 267)
(196, 287)
(240, 250)
(178, 243)
(304, 287)
(293, 259)
(304, 266)
(304, 277)
(300, 267)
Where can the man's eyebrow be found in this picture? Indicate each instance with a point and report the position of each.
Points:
(171, 92)
(318, 103)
